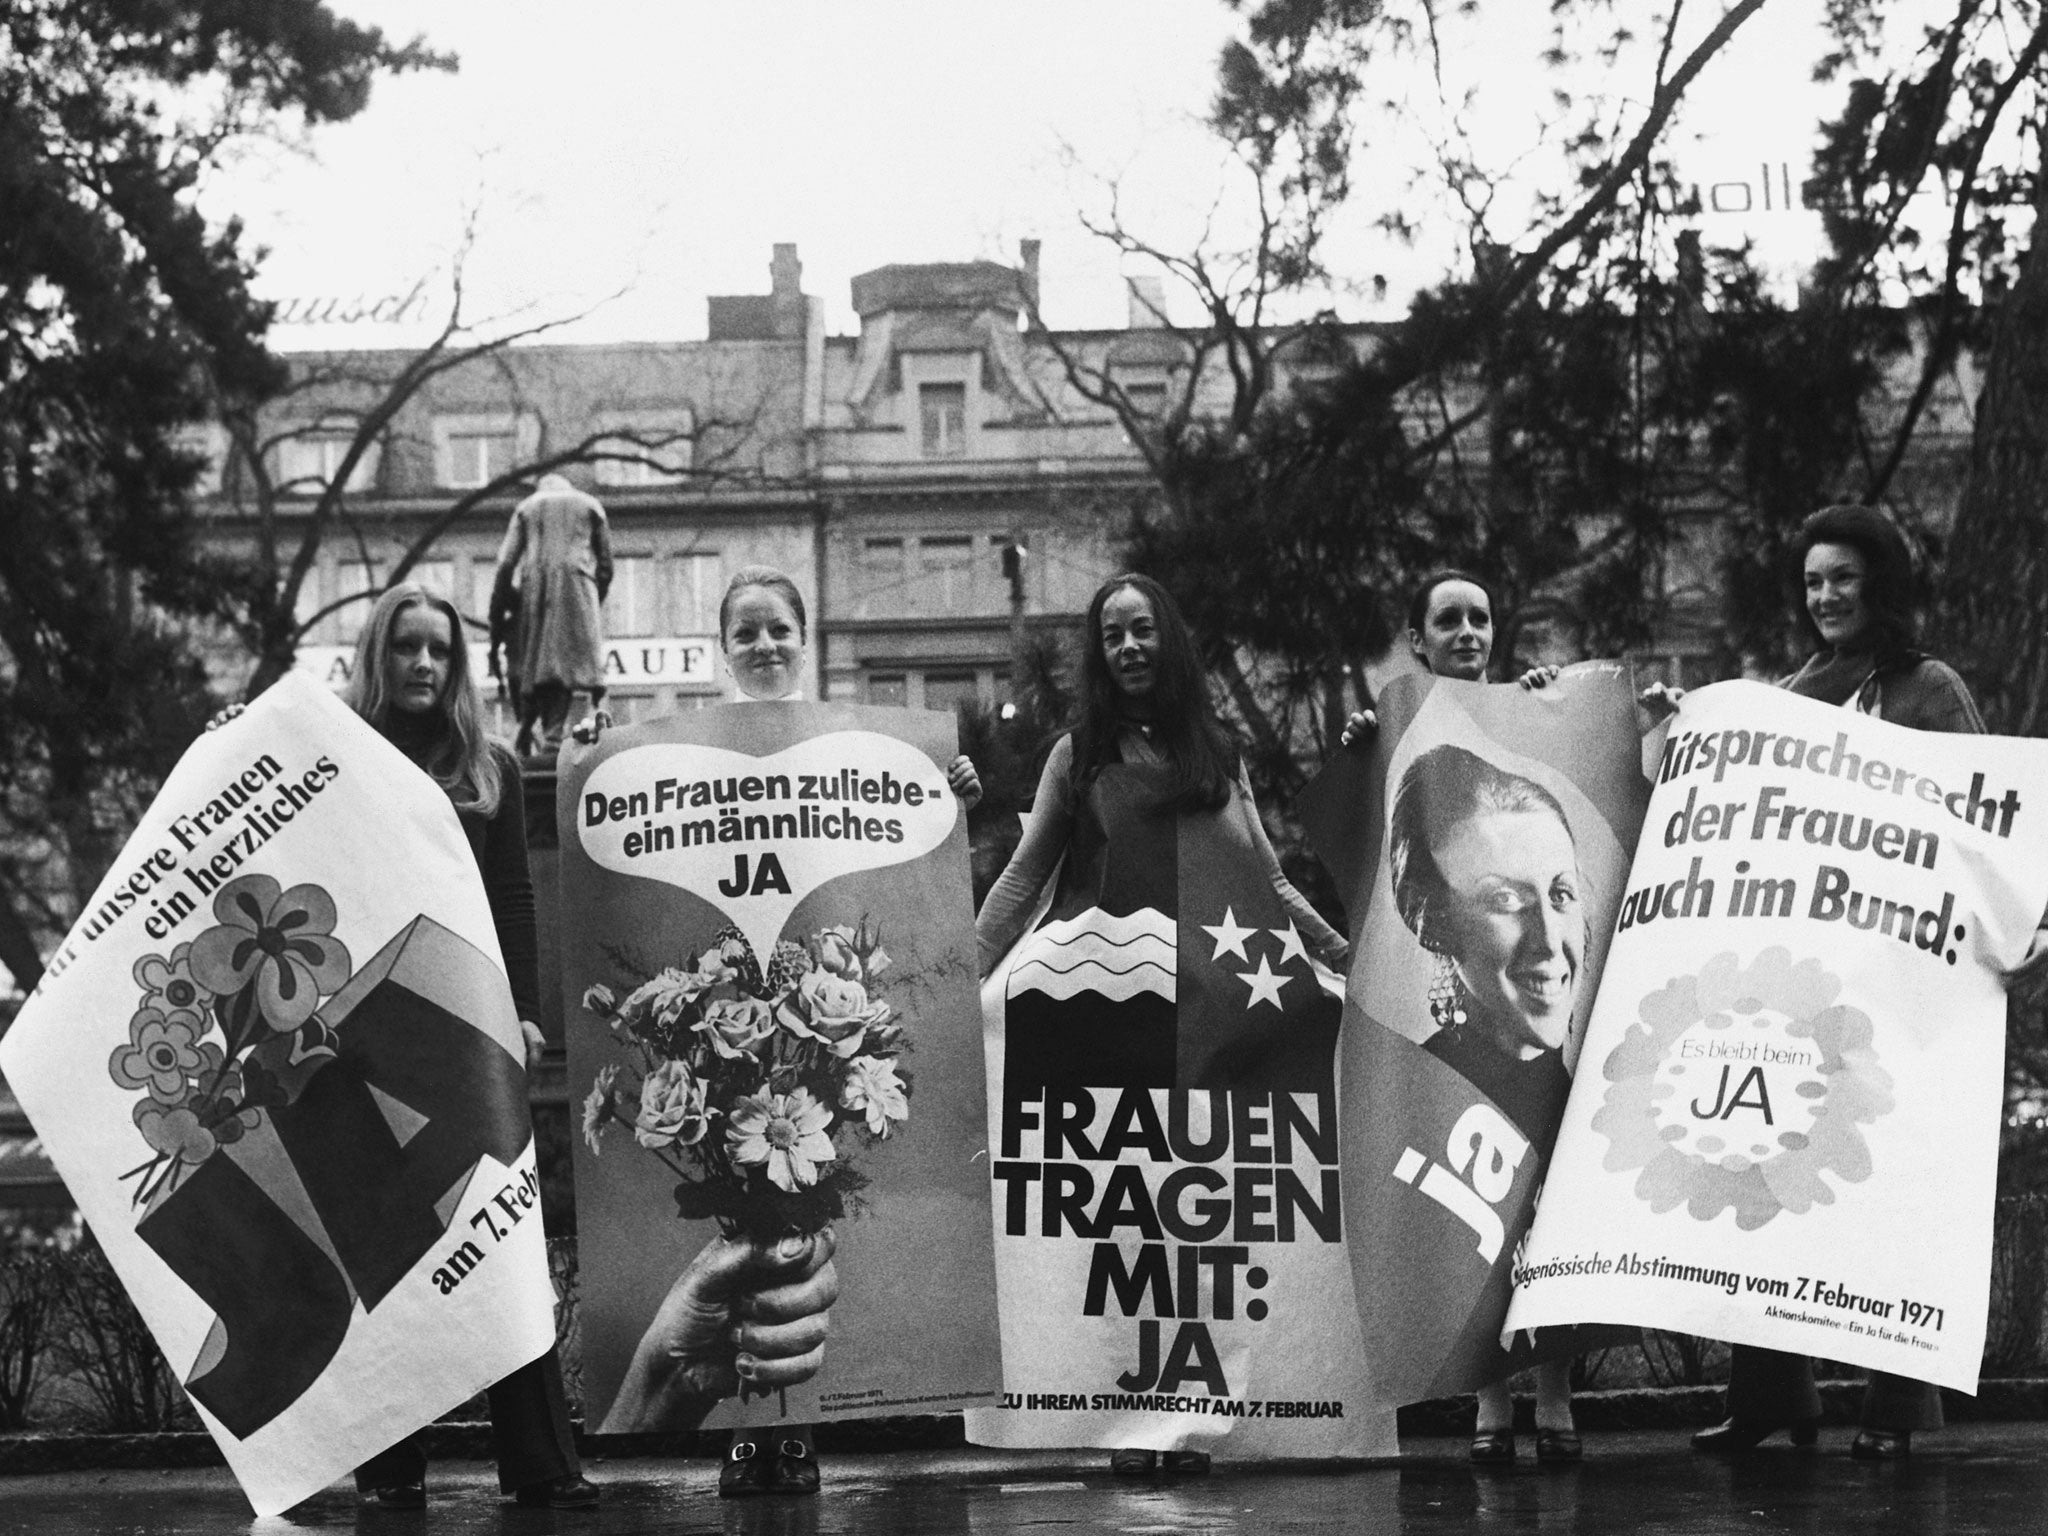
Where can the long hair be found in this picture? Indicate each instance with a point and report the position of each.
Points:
(459, 756)
(1193, 741)
(1445, 786)
(1887, 580)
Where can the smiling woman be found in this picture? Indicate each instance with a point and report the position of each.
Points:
(1486, 874)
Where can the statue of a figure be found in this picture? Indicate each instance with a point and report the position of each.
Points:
(554, 569)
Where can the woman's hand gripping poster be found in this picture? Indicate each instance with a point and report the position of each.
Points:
(1785, 1128)
(769, 967)
(277, 1064)
(1480, 845)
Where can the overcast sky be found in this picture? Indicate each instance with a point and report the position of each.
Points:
(658, 148)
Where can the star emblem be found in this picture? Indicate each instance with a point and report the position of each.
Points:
(1229, 937)
(1291, 947)
(1265, 983)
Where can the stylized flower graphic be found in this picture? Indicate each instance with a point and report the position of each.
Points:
(737, 1026)
(175, 1131)
(873, 1089)
(833, 1010)
(673, 1108)
(786, 1132)
(281, 943)
(163, 1055)
(170, 989)
(1736, 1019)
(231, 1115)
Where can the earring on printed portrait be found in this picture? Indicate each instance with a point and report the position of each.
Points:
(1446, 995)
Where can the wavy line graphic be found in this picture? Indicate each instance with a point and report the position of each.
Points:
(1146, 922)
(1095, 951)
(1118, 986)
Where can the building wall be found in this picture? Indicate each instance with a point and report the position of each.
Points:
(889, 472)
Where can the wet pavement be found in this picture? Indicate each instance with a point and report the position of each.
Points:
(1972, 1478)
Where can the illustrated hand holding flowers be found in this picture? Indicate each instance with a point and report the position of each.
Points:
(756, 1090)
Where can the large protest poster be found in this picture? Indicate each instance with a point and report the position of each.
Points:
(278, 1066)
(1169, 1212)
(1786, 1130)
(768, 978)
(1480, 844)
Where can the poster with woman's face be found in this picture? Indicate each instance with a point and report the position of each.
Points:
(1482, 843)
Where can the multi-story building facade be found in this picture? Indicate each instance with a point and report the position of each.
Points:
(936, 483)
(931, 488)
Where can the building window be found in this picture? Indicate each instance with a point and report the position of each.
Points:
(632, 608)
(942, 409)
(356, 585)
(306, 463)
(948, 569)
(698, 594)
(472, 451)
(477, 458)
(888, 688)
(950, 690)
(1148, 400)
(659, 449)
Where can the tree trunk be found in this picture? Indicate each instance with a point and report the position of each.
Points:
(18, 950)
(1991, 603)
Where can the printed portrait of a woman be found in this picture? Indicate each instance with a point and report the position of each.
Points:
(1486, 874)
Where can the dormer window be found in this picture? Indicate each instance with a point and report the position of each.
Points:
(305, 463)
(1147, 399)
(652, 448)
(942, 413)
(472, 451)
(478, 458)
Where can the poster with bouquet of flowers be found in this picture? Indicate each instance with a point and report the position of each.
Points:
(769, 983)
(278, 1066)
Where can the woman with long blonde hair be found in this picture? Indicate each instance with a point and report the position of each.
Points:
(413, 682)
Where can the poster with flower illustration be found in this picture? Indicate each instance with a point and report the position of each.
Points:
(277, 1064)
(1784, 1127)
(769, 982)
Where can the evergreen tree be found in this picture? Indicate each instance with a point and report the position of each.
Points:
(119, 302)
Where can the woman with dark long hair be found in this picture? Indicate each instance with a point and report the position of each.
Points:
(412, 681)
(1147, 751)
(1856, 578)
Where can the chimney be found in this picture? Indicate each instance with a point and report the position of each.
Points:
(1148, 303)
(1028, 251)
(785, 292)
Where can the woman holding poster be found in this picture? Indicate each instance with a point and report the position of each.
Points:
(1486, 876)
(1148, 754)
(763, 632)
(1857, 576)
(412, 682)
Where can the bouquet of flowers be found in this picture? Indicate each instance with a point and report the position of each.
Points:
(228, 1024)
(756, 1088)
